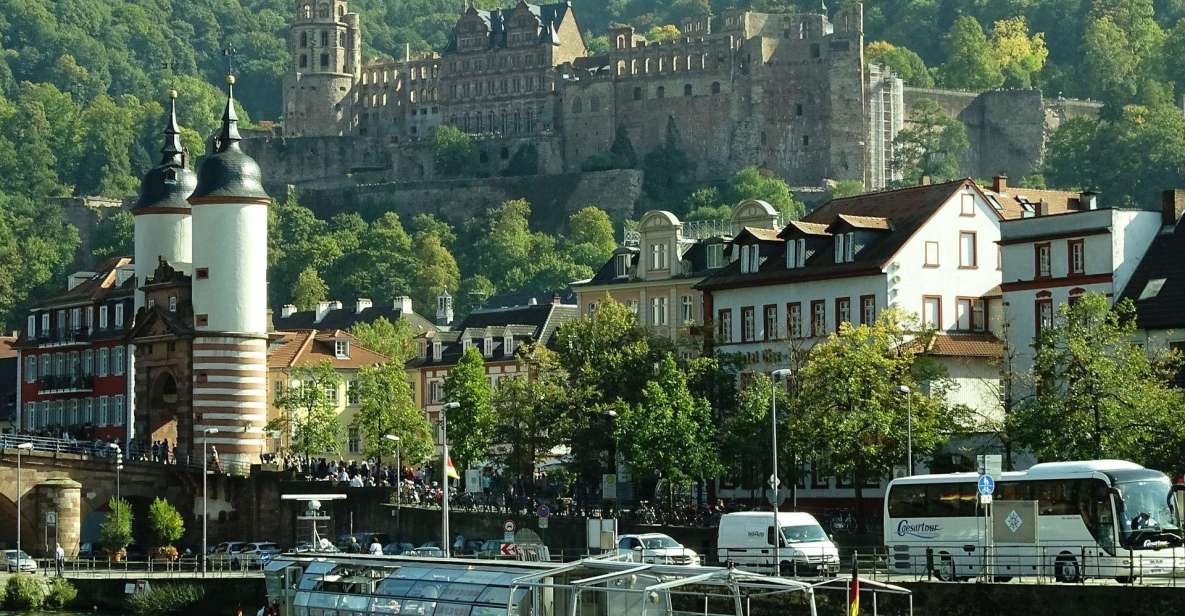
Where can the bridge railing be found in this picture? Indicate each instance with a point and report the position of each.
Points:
(103, 450)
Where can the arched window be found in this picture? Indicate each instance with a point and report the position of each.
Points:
(341, 39)
(323, 11)
(621, 42)
(634, 67)
(715, 87)
(620, 67)
(306, 11)
(341, 11)
(687, 90)
(646, 66)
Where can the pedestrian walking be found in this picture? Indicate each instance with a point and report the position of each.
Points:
(59, 558)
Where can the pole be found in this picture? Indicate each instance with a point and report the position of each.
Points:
(909, 433)
(777, 533)
(204, 516)
(398, 486)
(444, 544)
(18, 510)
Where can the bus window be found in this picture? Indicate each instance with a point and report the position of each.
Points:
(948, 500)
(1058, 497)
(1013, 491)
(907, 501)
(1094, 504)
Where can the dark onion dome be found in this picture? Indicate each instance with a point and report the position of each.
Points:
(167, 186)
(228, 173)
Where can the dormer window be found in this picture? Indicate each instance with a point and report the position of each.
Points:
(715, 256)
(658, 256)
(621, 265)
(795, 253)
(487, 346)
(341, 348)
(845, 247)
(750, 258)
(466, 344)
(436, 350)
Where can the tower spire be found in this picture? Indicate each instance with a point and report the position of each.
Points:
(229, 136)
(172, 153)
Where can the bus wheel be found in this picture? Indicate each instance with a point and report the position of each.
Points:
(1066, 569)
(946, 570)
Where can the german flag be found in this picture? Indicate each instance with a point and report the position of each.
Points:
(854, 589)
(451, 470)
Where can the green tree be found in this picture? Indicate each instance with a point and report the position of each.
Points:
(622, 149)
(111, 132)
(847, 410)
(1070, 160)
(1097, 394)
(847, 188)
(114, 236)
(435, 270)
(931, 146)
(755, 183)
(663, 34)
(745, 433)
(115, 533)
(1019, 56)
(394, 340)
(308, 417)
(590, 239)
(970, 63)
(1122, 49)
(524, 162)
(906, 64)
(471, 425)
(387, 406)
(453, 151)
(530, 412)
(309, 289)
(164, 523)
(670, 433)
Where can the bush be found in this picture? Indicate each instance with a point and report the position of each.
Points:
(25, 592)
(165, 523)
(166, 599)
(116, 531)
(61, 593)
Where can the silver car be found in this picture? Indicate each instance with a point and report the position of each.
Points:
(259, 552)
(14, 560)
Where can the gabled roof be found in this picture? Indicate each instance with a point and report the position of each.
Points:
(877, 223)
(1158, 285)
(1017, 202)
(907, 209)
(801, 227)
(524, 323)
(98, 287)
(758, 233)
(311, 347)
(550, 16)
(346, 317)
(983, 344)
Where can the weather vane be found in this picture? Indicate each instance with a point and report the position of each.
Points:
(229, 52)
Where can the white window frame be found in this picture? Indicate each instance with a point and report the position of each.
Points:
(172, 303)
(88, 411)
(744, 258)
(621, 265)
(76, 319)
(103, 365)
(658, 256)
(754, 258)
(794, 320)
(102, 317)
(849, 249)
(31, 415)
(32, 326)
(117, 410)
(117, 361)
(1077, 256)
(686, 310)
(715, 256)
(45, 322)
(724, 328)
(101, 420)
(341, 348)
(353, 442)
(749, 324)
(31, 369)
(119, 314)
(658, 310)
(353, 396)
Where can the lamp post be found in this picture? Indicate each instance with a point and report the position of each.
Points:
(611, 415)
(773, 479)
(205, 434)
(118, 465)
(906, 391)
(19, 449)
(398, 474)
(445, 544)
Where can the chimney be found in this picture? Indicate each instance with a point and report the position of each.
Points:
(555, 299)
(323, 309)
(361, 304)
(287, 310)
(1088, 200)
(1042, 208)
(1000, 183)
(924, 180)
(403, 304)
(1172, 206)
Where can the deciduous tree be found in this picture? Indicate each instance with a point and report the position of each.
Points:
(471, 425)
(387, 406)
(970, 63)
(307, 408)
(930, 146)
(164, 523)
(309, 289)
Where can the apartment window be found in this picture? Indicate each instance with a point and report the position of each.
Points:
(634, 307)
(88, 362)
(931, 254)
(331, 392)
(796, 253)
(715, 256)
(117, 410)
(353, 443)
(88, 411)
(794, 320)
(685, 310)
(59, 364)
(102, 318)
(658, 311)
(32, 327)
(971, 314)
(1043, 311)
(1075, 295)
(748, 324)
(172, 303)
(30, 369)
(1042, 256)
(75, 363)
(117, 361)
(341, 348)
(435, 392)
(621, 267)
(1077, 252)
(352, 395)
(103, 362)
(967, 205)
(45, 322)
(999, 258)
(932, 311)
(771, 322)
(745, 259)
(102, 419)
(31, 415)
(658, 256)
(818, 318)
(843, 311)
(76, 319)
(724, 326)
(967, 253)
(119, 314)
(867, 309)
(46, 365)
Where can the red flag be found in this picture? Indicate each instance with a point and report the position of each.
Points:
(854, 590)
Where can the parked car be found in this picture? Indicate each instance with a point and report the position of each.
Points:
(325, 548)
(746, 539)
(397, 548)
(225, 551)
(17, 560)
(431, 550)
(656, 548)
(259, 552)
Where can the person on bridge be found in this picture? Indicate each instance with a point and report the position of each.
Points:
(376, 548)
(59, 558)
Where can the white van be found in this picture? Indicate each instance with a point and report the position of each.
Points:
(746, 540)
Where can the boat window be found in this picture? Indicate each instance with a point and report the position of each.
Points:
(452, 609)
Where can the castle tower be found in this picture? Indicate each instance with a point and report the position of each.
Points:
(325, 47)
(230, 296)
(162, 213)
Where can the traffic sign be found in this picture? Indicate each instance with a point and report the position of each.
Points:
(51, 518)
(543, 511)
(542, 522)
(510, 549)
(508, 526)
(773, 481)
(987, 485)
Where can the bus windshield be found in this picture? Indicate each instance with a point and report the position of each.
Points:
(1146, 509)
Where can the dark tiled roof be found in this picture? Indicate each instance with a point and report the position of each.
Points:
(510, 300)
(805, 228)
(608, 272)
(525, 323)
(347, 317)
(550, 16)
(907, 209)
(98, 287)
(1165, 259)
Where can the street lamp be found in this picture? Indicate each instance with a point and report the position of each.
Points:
(445, 544)
(905, 391)
(118, 465)
(205, 433)
(398, 474)
(611, 415)
(19, 449)
(773, 479)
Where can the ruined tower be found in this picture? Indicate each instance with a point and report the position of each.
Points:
(326, 54)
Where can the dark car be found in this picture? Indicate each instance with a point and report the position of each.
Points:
(397, 548)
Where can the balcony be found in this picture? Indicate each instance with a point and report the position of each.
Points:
(66, 384)
(62, 337)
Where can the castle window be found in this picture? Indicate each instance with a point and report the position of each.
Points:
(323, 11)
(341, 39)
(341, 11)
(324, 60)
(715, 87)
(814, 50)
(687, 91)
(304, 61)
(806, 140)
(798, 109)
(304, 39)
(577, 106)
(306, 12)
(324, 38)
(637, 94)
(660, 92)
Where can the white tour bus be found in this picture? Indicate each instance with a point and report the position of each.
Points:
(934, 523)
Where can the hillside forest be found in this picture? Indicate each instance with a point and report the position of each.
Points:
(82, 82)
